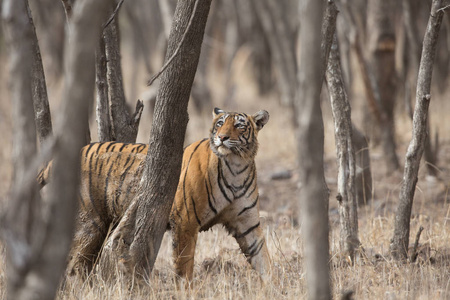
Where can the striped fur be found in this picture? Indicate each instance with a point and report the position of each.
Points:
(217, 186)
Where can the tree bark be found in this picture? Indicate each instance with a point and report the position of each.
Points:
(328, 33)
(104, 128)
(313, 198)
(124, 127)
(42, 115)
(400, 240)
(135, 243)
(411, 75)
(19, 218)
(348, 210)
(38, 234)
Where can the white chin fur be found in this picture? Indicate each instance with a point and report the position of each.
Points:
(223, 150)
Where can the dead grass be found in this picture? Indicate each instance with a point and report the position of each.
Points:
(221, 271)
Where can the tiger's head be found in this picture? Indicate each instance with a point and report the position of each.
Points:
(236, 133)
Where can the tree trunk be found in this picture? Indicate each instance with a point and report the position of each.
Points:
(124, 127)
(42, 114)
(19, 218)
(381, 47)
(135, 243)
(313, 198)
(348, 212)
(104, 128)
(400, 240)
(411, 74)
(38, 234)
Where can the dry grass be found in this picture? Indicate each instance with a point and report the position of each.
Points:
(221, 271)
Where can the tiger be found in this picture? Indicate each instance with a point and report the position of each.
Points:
(217, 185)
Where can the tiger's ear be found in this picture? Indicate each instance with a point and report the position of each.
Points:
(261, 118)
(217, 111)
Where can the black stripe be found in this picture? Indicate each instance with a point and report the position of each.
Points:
(209, 198)
(83, 206)
(249, 207)
(250, 248)
(241, 171)
(110, 145)
(185, 174)
(229, 168)
(123, 146)
(100, 167)
(105, 198)
(92, 200)
(245, 188)
(118, 192)
(195, 211)
(89, 149)
(138, 149)
(254, 249)
(239, 236)
(212, 195)
(239, 187)
(98, 148)
(254, 188)
(222, 189)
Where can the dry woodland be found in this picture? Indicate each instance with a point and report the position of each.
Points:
(221, 270)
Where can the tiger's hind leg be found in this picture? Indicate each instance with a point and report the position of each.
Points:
(86, 245)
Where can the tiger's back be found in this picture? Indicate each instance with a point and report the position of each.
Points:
(110, 175)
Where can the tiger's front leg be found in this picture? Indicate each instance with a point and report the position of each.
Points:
(184, 241)
(248, 234)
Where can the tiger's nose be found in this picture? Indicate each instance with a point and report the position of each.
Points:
(223, 137)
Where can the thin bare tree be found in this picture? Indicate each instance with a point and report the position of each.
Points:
(310, 136)
(42, 113)
(400, 241)
(124, 125)
(135, 243)
(38, 233)
(348, 211)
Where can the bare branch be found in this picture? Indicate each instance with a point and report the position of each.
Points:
(116, 10)
(169, 61)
